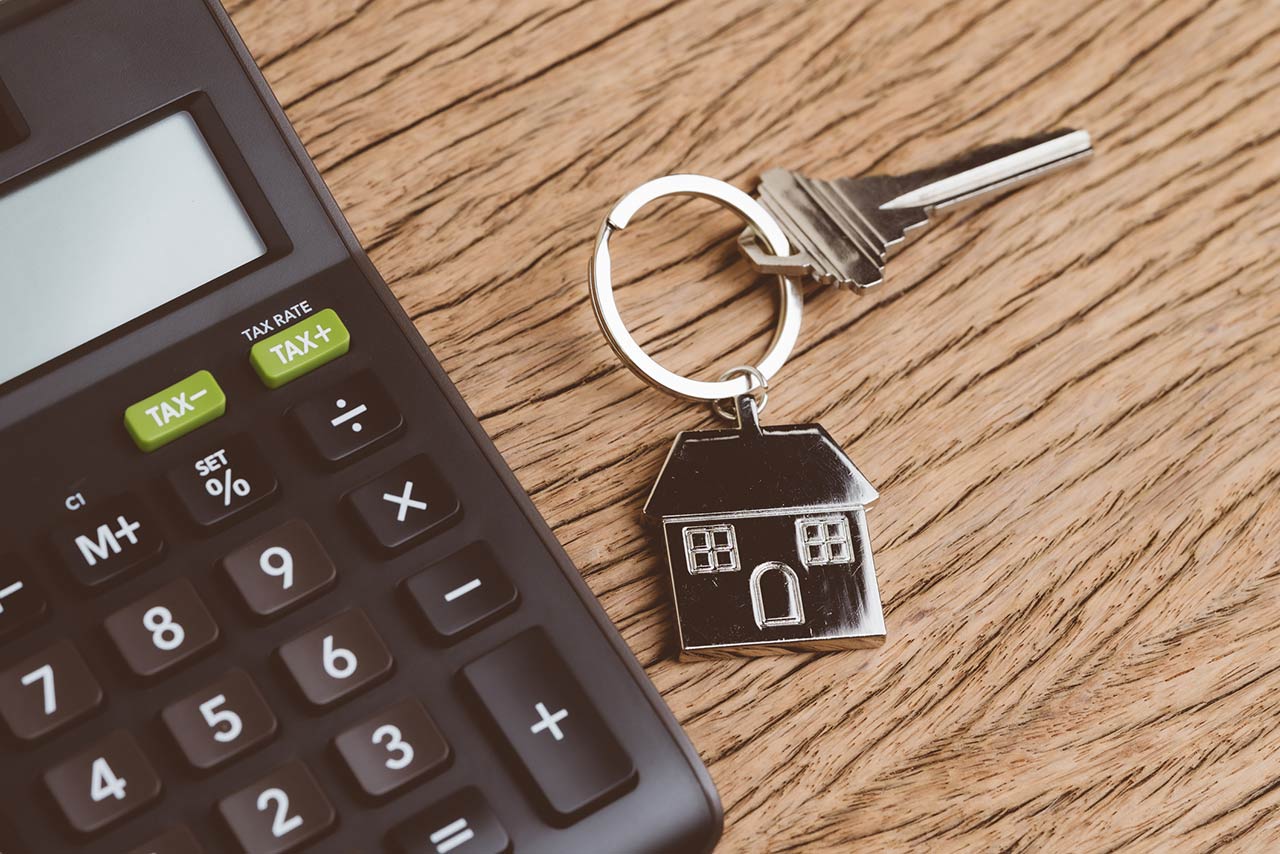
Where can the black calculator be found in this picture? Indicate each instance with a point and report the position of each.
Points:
(265, 585)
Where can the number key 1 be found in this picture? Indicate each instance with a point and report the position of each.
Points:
(47, 691)
(104, 783)
(175, 840)
(278, 813)
(220, 722)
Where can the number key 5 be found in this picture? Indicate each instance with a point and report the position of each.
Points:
(341, 657)
(220, 722)
(163, 629)
(47, 691)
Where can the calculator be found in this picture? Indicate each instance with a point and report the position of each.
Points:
(265, 585)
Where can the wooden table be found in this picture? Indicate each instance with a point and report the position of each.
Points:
(1067, 397)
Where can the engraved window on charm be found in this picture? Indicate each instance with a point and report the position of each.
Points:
(824, 540)
(711, 549)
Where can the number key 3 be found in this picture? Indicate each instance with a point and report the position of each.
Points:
(392, 749)
(220, 722)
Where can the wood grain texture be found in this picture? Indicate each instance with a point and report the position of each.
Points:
(1068, 397)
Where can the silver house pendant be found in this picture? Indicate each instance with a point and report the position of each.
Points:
(766, 539)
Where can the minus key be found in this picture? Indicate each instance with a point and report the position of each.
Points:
(462, 593)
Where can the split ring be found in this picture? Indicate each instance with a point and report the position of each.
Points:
(791, 296)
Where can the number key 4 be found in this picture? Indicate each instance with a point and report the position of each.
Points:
(104, 783)
(220, 722)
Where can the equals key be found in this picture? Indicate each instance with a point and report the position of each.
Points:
(462, 593)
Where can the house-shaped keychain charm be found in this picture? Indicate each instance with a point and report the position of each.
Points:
(766, 538)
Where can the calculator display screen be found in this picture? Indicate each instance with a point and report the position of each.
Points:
(112, 235)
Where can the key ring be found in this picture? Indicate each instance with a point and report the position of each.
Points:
(791, 296)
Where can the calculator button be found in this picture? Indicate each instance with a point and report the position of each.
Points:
(393, 749)
(104, 783)
(223, 481)
(220, 722)
(280, 569)
(300, 348)
(462, 593)
(559, 737)
(404, 504)
(21, 603)
(175, 411)
(162, 629)
(108, 539)
(47, 691)
(334, 661)
(175, 840)
(348, 418)
(279, 813)
(462, 823)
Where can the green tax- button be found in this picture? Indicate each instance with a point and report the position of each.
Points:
(299, 348)
(176, 411)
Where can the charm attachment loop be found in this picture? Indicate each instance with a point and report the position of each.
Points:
(731, 410)
(791, 298)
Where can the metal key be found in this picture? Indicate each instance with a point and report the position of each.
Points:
(843, 231)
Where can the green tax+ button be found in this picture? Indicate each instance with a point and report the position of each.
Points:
(302, 347)
(175, 411)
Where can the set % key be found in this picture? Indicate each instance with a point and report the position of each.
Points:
(220, 481)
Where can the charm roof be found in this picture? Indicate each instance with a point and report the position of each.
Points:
(751, 469)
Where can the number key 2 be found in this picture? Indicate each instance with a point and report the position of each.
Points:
(47, 691)
(220, 722)
(279, 813)
(393, 749)
(104, 783)
(334, 661)
(162, 629)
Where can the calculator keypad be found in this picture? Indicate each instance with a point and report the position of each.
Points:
(21, 602)
(103, 784)
(405, 504)
(280, 569)
(338, 659)
(162, 629)
(118, 537)
(220, 722)
(223, 481)
(47, 691)
(280, 812)
(392, 749)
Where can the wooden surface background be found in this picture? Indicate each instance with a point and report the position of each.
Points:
(1067, 397)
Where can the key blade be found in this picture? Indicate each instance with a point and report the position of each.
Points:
(993, 168)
